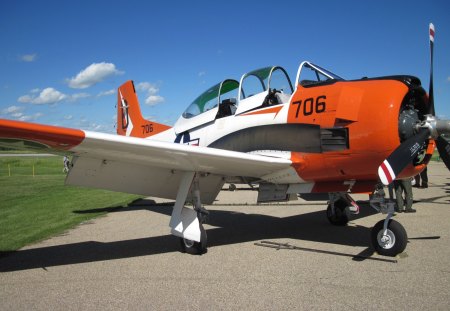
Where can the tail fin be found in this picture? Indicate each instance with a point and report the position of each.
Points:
(129, 117)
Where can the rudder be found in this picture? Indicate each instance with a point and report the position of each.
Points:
(129, 117)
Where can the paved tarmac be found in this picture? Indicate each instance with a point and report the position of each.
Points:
(127, 260)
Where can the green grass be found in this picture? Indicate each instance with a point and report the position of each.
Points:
(27, 166)
(35, 208)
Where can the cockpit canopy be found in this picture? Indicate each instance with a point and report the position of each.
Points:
(263, 79)
(231, 97)
(252, 83)
(212, 97)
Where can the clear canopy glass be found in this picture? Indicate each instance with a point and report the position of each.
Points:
(212, 97)
(261, 80)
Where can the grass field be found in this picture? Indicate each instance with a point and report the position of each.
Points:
(31, 165)
(36, 207)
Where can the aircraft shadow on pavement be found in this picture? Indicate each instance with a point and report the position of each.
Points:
(138, 204)
(231, 228)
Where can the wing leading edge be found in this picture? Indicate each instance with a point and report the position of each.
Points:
(136, 165)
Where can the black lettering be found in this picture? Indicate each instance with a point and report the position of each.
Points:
(308, 107)
(320, 105)
(147, 128)
(299, 103)
(311, 106)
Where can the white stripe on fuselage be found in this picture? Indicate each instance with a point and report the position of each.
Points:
(212, 131)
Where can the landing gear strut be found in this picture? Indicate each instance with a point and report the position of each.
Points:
(190, 246)
(389, 237)
(187, 223)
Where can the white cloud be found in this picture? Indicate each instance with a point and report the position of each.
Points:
(68, 117)
(89, 125)
(17, 113)
(152, 98)
(28, 58)
(46, 96)
(49, 96)
(93, 74)
(25, 99)
(147, 87)
(201, 73)
(106, 93)
(32, 117)
(12, 110)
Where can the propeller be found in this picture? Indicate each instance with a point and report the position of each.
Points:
(402, 156)
(430, 92)
(430, 127)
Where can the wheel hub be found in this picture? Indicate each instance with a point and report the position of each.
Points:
(188, 243)
(386, 239)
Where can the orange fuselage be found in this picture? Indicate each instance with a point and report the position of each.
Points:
(369, 110)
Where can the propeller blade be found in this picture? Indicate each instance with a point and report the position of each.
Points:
(444, 150)
(430, 92)
(402, 156)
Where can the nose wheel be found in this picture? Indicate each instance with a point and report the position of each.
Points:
(389, 238)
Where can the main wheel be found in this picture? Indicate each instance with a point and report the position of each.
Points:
(341, 213)
(391, 243)
(195, 248)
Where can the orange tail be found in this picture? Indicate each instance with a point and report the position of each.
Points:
(129, 117)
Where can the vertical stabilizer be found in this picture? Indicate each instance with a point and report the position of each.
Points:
(129, 117)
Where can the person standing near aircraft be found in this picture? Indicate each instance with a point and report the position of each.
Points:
(404, 203)
(422, 176)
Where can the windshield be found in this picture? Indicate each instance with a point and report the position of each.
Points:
(310, 74)
(211, 97)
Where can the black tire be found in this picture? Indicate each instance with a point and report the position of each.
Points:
(341, 214)
(396, 238)
(195, 248)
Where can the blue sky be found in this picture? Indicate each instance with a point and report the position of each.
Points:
(62, 61)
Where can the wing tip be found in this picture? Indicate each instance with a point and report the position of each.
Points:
(54, 137)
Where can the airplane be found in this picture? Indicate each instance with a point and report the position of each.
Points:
(321, 136)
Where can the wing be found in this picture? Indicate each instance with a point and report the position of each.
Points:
(136, 165)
